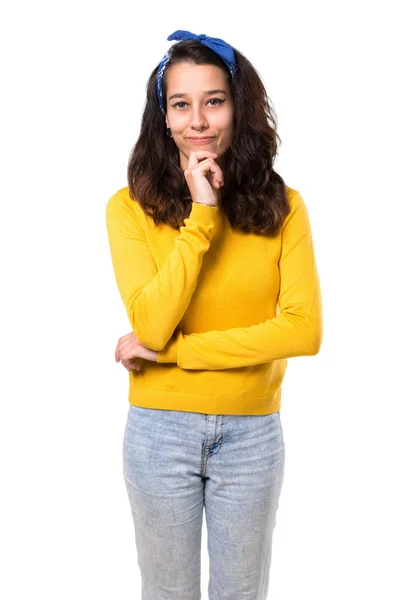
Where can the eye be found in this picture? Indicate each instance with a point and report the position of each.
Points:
(177, 104)
(217, 100)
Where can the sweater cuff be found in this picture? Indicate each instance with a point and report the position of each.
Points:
(169, 354)
(202, 213)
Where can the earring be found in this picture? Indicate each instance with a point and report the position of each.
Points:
(170, 135)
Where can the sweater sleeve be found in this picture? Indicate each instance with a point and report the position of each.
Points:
(155, 300)
(296, 331)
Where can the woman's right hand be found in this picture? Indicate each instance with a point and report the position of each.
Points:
(204, 177)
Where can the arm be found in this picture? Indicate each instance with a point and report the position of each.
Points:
(155, 301)
(296, 331)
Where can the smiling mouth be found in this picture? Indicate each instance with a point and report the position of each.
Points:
(201, 139)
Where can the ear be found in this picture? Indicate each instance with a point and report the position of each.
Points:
(167, 123)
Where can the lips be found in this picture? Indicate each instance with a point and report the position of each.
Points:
(200, 140)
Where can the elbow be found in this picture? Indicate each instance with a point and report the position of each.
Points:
(310, 334)
(315, 345)
(149, 333)
(150, 338)
(316, 337)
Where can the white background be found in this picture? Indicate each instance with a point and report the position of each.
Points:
(73, 80)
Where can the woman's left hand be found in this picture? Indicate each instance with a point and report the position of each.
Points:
(129, 348)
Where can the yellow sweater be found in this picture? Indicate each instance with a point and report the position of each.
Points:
(224, 309)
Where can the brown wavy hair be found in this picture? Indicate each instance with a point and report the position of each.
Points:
(254, 196)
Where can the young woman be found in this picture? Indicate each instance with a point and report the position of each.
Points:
(214, 260)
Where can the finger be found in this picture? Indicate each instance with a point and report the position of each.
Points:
(128, 347)
(128, 339)
(209, 166)
(195, 157)
(117, 353)
(133, 364)
(130, 366)
(205, 166)
(217, 179)
(217, 184)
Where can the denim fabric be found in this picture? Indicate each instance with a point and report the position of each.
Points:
(176, 464)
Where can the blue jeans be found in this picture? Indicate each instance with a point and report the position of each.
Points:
(174, 464)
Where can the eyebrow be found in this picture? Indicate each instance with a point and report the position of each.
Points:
(209, 93)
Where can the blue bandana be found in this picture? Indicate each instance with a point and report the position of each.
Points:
(224, 50)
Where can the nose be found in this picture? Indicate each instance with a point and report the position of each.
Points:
(198, 119)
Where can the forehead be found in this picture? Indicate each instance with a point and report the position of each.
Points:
(188, 78)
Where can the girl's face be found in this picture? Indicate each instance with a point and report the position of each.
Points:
(199, 109)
